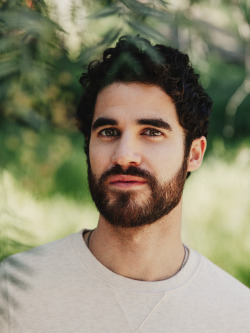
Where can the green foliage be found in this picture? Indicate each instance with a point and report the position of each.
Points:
(36, 75)
(221, 88)
(45, 163)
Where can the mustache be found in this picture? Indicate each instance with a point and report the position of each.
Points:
(131, 171)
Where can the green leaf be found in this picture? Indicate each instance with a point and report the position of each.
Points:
(7, 68)
(144, 10)
(147, 31)
(108, 11)
(95, 50)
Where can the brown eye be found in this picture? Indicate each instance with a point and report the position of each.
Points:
(109, 132)
(152, 132)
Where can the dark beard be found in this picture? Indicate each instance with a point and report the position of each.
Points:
(121, 209)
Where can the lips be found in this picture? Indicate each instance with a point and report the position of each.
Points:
(126, 181)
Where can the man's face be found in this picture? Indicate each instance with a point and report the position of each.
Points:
(136, 166)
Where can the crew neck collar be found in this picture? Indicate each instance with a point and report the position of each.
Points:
(88, 261)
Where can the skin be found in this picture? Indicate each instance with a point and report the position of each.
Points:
(131, 137)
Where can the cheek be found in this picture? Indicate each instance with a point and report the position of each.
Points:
(93, 157)
(165, 162)
(98, 159)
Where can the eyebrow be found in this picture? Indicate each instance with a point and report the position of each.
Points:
(156, 122)
(99, 122)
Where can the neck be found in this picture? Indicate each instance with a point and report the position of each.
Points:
(149, 253)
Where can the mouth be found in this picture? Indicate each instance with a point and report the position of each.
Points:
(126, 181)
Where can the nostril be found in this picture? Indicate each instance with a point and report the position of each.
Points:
(126, 160)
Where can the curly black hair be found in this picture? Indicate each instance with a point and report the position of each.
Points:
(135, 59)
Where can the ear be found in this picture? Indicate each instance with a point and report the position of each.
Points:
(196, 154)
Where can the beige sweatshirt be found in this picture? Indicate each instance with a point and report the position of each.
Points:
(61, 287)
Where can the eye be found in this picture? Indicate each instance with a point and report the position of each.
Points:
(109, 132)
(152, 132)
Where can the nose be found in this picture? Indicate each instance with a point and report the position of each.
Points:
(126, 152)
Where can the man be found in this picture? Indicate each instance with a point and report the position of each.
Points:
(144, 117)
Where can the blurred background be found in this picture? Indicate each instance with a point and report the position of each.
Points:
(44, 46)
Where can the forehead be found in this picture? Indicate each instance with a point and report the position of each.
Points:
(131, 101)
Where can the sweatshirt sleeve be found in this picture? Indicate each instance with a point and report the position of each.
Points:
(4, 311)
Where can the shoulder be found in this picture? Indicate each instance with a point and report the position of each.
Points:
(214, 300)
(221, 285)
(220, 275)
(39, 258)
